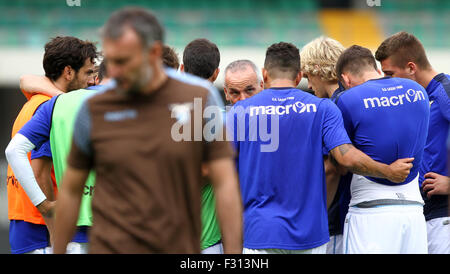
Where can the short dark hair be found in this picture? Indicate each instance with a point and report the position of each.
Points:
(403, 47)
(141, 20)
(282, 58)
(63, 51)
(102, 71)
(170, 57)
(201, 57)
(355, 60)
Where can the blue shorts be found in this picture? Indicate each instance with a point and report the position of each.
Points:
(25, 237)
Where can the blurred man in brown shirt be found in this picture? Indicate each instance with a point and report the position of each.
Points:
(147, 196)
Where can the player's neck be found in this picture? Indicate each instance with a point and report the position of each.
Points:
(280, 83)
(159, 78)
(370, 75)
(61, 84)
(424, 77)
(331, 88)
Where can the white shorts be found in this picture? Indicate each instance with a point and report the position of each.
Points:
(45, 250)
(214, 249)
(395, 229)
(439, 235)
(77, 248)
(72, 248)
(317, 250)
(335, 244)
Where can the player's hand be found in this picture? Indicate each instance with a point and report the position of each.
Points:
(46, 208)
(436, 184)
(399, 170)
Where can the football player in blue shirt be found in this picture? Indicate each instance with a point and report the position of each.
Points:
(385, 118)
(402, 55)
(282, 177)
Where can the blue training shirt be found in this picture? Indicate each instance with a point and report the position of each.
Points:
(387, 119)
(434, 157)
(283, 189)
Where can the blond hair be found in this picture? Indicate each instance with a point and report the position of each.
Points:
(319, 57)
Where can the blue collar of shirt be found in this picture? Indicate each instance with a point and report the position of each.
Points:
(435, 82)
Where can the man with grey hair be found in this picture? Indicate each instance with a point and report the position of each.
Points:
(148, 190)
(242, 81)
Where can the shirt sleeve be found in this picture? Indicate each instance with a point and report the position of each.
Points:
(37, 130)
(81, 155)
(443, 99)
(43, 151)
(16, 154)
(334, 133)
(349, 124)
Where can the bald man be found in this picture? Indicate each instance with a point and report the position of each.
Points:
(242, 81)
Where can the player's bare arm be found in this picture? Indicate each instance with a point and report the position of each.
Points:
(35, 84)
(68, 206)
(42, 171)
(228, 203)
(358, 162)
(332, 177)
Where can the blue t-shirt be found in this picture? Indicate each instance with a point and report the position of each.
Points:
(280, 166)
(434, 156)
(387, 119)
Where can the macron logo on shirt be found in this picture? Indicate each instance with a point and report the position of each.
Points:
(410, 96)
(297, 107)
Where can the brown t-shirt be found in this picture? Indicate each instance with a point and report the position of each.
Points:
(147, 196)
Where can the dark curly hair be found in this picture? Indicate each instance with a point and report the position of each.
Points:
(282, 58)
(170, 57)
(65, 51)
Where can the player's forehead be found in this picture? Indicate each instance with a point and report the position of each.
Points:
(242, 77)
(387, 64)
(88, 65)
(125, 45)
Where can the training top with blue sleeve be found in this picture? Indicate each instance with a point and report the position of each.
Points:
(280, 166)
(387, 119)
(434, 156)
(37, 131)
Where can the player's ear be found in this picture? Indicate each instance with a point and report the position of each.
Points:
(214, 76)
(225, 90)
(411, 68)
(346, 81)
(298, 78)
(68, 73)
(155, 51)
(265, 75)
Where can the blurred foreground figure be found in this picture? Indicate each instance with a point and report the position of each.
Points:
(148, 182)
